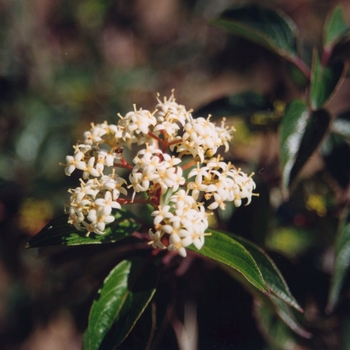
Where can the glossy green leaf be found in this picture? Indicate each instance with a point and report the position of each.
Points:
(120, 302)
(226, 250)
(59, 232)
(272, 276)
(292, 128)
(276, 333)
(335, 27)
(269, 317)
(324, 81)
(316, 129)
(341, 264)
(262, 26)
(300, 135)
(245, 103)
(287, 316)
(277, 307)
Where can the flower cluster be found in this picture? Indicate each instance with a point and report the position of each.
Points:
(171, 144)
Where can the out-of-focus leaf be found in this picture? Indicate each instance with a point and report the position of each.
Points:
(298, 77)
(324, 80)
(300, 135)
(335, 27)
(346, 333)
(245, 103)
(287, 316)
(262, 26)
(226, 250)
(341, 126)
(316, 129)
(275, 305)
(273, 329)
(290, 241)
(120, 302)
(59, 232)
(274, 319)
(292, 128)
(341, 264)
(336, 155)
(270, 273)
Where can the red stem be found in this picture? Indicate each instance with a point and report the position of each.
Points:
(124, 164)
(189, 164)
(303, 67)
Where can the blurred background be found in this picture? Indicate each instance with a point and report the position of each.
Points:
(65, 64)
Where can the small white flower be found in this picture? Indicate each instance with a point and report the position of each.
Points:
(161, 214)
(225, 134)
(88, 169)
(156, 239)
(72, 162)
(99, 219)
(95, 134)
(178, 244)
(114, 184)
(106, 204)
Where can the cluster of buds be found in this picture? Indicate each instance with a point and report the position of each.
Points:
(175, 170)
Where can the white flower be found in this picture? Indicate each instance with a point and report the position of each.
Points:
(166, 137)
(161, 214)
(99, 220)
(225, 134)
(106, 157)
(75, 218)
(95, 134)
(170, 178)
(88, 169)
(106, 204)
(200, 137)
(218, 202)
(135, 126)
(177, 243)
(170, 112)
(156, 239)
(113, 183)
(72, 162)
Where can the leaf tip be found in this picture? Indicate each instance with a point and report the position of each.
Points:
(267, 291)
(299, 308)
(307, 335)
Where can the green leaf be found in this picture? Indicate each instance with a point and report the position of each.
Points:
(262, 26)
(59, 232)
(324, 81)
(300, 134)
(316, 130)
(292, 128)
(341, 264)
(287, 316)
(120, 302)
(272, 328)
(275, 305)
(226, 250)
(272, 276)
(245, 103)
(335, 27)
